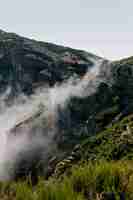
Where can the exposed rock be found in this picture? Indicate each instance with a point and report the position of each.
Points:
(27, 64)
(21, 57)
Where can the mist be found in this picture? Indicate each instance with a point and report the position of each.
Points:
(18, 134)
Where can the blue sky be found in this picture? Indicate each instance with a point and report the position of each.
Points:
(103, 27)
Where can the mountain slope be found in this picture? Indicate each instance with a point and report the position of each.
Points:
(105, 99)
(26, 63)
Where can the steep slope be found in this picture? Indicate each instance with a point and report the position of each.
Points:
(114, 140)
(88, 92)
(114, 143)
(26, 66)
(26, 63)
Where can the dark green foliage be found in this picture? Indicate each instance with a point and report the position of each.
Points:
(115, 143)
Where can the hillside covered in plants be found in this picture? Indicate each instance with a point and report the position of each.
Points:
(66, 123)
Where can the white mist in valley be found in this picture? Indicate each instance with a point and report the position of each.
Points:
(46, 101)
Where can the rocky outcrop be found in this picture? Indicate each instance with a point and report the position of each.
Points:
(26, 64)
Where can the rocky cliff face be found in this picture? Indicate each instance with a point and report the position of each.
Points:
(26, 64)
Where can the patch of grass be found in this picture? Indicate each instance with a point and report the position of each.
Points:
(92, 178)
(84, 182)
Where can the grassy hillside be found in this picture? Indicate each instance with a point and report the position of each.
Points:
(100, 167)
(103, 169)
(113, 143)
(93, 180)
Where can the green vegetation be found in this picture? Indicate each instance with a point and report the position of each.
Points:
(102, 162)
(84, 181)
(114, 143)
(105, 166)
